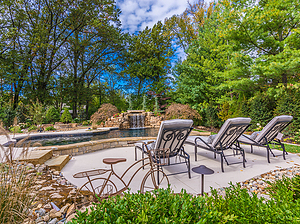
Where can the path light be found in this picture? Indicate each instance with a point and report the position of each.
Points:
(202, 170)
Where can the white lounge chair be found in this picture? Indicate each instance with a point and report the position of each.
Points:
(268, 135)
(169, 143)
(226, 138)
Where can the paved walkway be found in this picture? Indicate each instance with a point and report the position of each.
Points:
(256, 165)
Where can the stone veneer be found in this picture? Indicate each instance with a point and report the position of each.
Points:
(122, 121)
(92, 146)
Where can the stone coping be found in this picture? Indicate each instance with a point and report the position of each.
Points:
(92, 146)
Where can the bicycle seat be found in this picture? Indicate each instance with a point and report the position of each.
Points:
(113, 160)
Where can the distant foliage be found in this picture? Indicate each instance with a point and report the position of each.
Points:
(50, 128)
(32, 128)
(52, 115)
(261, 108)
(105, 111)
(66, 117)
(181, 111)
(288, 103)
(15, 129)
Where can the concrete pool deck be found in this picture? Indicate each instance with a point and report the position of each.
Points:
(256, 165)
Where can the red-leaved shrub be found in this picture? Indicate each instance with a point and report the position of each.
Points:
(181, 111)
(105, 111)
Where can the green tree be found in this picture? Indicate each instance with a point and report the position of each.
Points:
(198, 75)
(265, 39)
(148, 60)
(52, 115)
(66, 117)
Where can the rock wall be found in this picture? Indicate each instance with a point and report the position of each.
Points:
(122, 120)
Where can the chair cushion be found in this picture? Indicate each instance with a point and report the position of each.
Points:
(191, 140)
(227, 123)
(243, 139)
(270, 125)
(171, 124)
(211, 138)
(254, 135)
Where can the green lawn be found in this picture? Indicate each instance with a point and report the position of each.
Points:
(292, 148)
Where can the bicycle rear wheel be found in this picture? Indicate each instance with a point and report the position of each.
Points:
(98, 187)
(154, 179)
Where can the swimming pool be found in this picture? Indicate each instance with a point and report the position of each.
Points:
(66, 140)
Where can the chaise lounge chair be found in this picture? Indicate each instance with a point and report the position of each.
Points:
(268, 135)
(169, 143)
(226, 138)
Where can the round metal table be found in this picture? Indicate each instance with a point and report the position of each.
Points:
(203, 170)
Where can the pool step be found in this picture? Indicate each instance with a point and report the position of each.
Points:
(36, 156)
(58, 162)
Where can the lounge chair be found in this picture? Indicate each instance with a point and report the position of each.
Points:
(226, 138)
(268, 135)
(169, 143)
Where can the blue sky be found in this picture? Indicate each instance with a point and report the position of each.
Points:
(137, 14)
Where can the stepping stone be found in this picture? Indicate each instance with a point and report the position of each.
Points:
(36, 156)
(58, 162)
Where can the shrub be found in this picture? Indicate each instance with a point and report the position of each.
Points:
(210, 116)
(66, 117)
(288, 103)
(160, 207)
(85, 123)
(261, 108)
(76, 120)
(181, 111)
(16, 192)
(105, 111)
(15, 129)
(52, 115)
(50, 128)
(32, 128)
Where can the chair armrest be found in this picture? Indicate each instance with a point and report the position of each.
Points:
(202, 141)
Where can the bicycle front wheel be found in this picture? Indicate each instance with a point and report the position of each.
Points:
(154, 179)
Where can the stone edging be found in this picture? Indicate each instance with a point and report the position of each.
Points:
(92, 146)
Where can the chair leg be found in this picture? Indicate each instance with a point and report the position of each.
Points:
(244, 160)
(135, 156)
(215, 156)
(189, 168)
(251, 149)
(268, 154)
(283, 149)
(222, 165)
(195, 152)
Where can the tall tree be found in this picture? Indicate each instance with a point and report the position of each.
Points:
(93, 48)
(265, 38)
(198, 75)
(149, 59)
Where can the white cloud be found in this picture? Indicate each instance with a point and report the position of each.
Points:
(137, 14)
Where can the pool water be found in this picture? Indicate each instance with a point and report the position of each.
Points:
(147, 132)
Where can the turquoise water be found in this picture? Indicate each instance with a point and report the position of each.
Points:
(148, 132)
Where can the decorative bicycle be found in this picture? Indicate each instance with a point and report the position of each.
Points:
(103, 187)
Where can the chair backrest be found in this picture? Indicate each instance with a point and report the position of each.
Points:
(271, 130)
(172, 134)
(230, 131)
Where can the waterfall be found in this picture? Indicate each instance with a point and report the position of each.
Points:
(137, 121)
